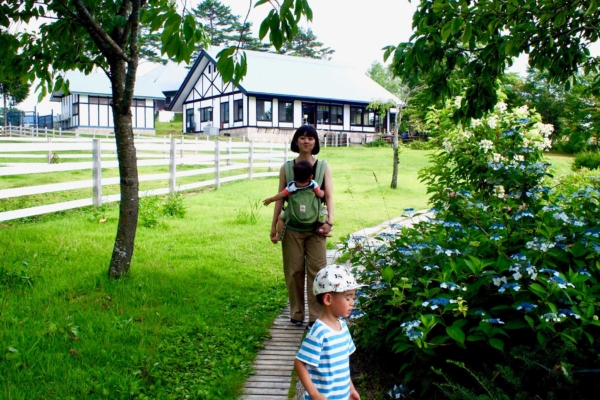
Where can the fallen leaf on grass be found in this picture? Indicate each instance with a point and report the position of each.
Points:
(73, 352)
(102, 220)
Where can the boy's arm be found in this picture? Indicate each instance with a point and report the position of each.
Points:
(306, 382)
(353, 393)
(279, 196)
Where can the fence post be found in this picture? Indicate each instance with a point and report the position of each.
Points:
(229, 152)
(49, 140)
(217, 167)
(270, 154)
(46, 131)
(250, 158)
(182, 143)
(172, 167)
(97, 172)
(9, 130)
(196, 146)
(59, 132)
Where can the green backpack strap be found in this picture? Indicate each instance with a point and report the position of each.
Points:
(320, 173)
(319, 176)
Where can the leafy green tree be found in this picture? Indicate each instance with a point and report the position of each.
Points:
(217, 20)
(305, 44)
(13, 92)
(83, 35)
(481, 38)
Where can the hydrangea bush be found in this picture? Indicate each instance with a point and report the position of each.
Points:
(505, 269)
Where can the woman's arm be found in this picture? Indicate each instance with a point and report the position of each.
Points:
(328, 188)
(278, 206)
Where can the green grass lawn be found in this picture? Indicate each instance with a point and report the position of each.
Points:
(200, 300)
(169, 128)
(201, 297)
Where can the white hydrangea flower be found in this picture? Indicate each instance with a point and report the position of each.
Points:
(466, 135)
(457, 101)
(519, 158)
(522, 112)
(447, 145)
(498, 157)
(545, 129)
(486, 145)
(475, 123)
(501, 107)
(492, 121)
(499, 191)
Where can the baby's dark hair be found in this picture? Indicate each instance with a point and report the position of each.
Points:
(302, 171)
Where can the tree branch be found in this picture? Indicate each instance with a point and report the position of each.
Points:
(104, 42)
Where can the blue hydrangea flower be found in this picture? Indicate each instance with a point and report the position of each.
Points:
(592, 232)
(497, 226)
(584, 272)
(526, 306)
(429, 267)
(493, 321)
(465, 193)
(523, 214)
(550, 317)
(451, 286)
(495, 237)
(551, 208)
(519, 257)
(563, 312)
(409, 212)
(560, 238)
(513, 286)
(356, 314)
(549, 271)
(480, 313)
(437, 302)
(561, 282)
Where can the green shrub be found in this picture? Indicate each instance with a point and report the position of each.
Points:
(421, 145)
(378, 143)
(588, 159)
(149, 211)
(173, 206)
(502, 277)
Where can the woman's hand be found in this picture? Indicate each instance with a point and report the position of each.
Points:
(324, 230)
(273, 235)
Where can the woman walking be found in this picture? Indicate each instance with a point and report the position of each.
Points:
(304, 252)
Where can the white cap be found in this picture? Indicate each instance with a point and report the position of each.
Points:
(334, 278)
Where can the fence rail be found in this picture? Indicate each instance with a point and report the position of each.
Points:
(212, 157)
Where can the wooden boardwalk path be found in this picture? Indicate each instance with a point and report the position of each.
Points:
(274, 364)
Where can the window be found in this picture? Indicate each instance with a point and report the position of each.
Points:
(76, 109)
(356, 115)
(323, 114)
(238, 110)
(286, 111)
(206, 114)
(93, 100)
(369, 118)
(337, 115)
(104, 100)
(264, 110)
(225, 113)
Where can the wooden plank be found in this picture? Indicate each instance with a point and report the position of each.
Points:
(271, 385)
(267, 391)
(263, 378)
(265, 397)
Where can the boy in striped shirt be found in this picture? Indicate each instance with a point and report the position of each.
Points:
(323, 361)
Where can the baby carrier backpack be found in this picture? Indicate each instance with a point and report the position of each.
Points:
(302, 210)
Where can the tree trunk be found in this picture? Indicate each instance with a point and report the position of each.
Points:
(126, 154)
(394, 183)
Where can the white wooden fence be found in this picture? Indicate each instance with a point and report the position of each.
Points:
(213, 158)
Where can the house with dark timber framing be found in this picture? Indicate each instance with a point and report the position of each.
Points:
(279, 94)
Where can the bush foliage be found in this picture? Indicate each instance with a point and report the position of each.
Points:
(501, 281)
(588, 159)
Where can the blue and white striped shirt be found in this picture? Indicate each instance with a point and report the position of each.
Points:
(326, 353)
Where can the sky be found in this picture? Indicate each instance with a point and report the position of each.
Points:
(356, 29)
